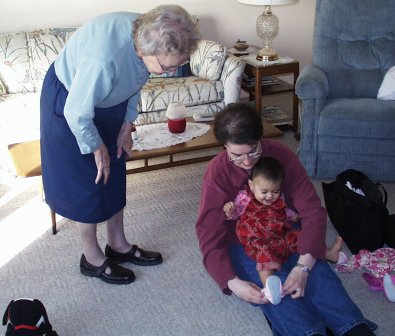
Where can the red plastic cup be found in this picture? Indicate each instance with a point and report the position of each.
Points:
(177, 125)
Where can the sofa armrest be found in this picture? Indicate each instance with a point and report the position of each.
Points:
(207, 60)
(312, 83)
(231, 78)
(3, 89)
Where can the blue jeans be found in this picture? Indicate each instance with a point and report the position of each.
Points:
(325, 304)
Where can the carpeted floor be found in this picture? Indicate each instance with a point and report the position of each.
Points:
(175, 298)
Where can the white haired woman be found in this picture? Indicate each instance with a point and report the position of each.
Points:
(88, 103)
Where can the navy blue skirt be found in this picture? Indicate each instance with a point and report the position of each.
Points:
(69, 176)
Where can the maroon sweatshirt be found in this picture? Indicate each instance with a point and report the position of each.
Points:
(221, 183)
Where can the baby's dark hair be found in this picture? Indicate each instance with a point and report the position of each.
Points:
(269, 168)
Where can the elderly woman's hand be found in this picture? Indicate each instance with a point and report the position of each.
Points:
(102, 159)
(247, 291)
(124, 141)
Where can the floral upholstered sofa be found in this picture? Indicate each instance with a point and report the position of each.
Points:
(211, 81)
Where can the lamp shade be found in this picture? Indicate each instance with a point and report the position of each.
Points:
(176, 110)
(267, 2)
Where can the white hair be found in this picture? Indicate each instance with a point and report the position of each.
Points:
(167, 30)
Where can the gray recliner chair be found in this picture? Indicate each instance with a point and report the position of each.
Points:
(343, 124)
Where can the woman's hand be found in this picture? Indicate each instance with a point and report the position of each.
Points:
(295, 283)
(247, 291)
(229, 208)
(102, 159)
(124, 140)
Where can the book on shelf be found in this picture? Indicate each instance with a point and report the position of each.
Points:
(266, 80)
(275, 115)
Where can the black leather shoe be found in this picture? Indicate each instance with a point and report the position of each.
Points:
(144, 258)
(118, 276)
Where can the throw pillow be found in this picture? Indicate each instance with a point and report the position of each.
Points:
(387, 88)
(45, 45)
(207, 61)
(14, 63)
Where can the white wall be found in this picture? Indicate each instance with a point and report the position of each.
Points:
(221, 20)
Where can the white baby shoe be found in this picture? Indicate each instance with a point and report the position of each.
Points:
(273, 290)
(389, 287)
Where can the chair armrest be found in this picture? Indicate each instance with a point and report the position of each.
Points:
(231, 78)
(312, 88)
(312, 83)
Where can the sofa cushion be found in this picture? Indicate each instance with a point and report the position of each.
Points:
(14, 63)
(362, 118)
(207, 61)
(160, 116)
(45, 45)
(157, 93)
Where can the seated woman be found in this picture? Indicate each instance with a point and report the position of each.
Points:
(314, 297)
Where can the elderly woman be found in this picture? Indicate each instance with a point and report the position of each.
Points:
(88, 104)
(314, 296)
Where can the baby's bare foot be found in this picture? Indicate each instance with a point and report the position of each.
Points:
(332, 253)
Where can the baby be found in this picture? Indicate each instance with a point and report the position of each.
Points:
(265, 225)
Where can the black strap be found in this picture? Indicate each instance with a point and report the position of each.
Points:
(384, 192)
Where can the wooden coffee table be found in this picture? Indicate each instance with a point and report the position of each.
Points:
(27, 159)
(204, 142)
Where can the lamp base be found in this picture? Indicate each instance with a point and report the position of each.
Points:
(266, 55)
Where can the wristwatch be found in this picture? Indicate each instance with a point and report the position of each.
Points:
(304, 268)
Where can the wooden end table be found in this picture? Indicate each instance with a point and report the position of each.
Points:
(260, 69)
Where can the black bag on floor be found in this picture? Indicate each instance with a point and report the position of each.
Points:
(389, 231)
(359, 219)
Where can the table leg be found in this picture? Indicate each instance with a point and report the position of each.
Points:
(53, 220)
(258, 92)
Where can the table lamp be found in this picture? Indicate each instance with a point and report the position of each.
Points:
(267, 26)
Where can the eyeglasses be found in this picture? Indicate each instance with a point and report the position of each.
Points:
(169, 68)
(256, 152)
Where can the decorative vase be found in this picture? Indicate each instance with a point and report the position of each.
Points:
(177, 125)
(176, 113)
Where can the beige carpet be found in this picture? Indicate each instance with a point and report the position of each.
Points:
(175, 298)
